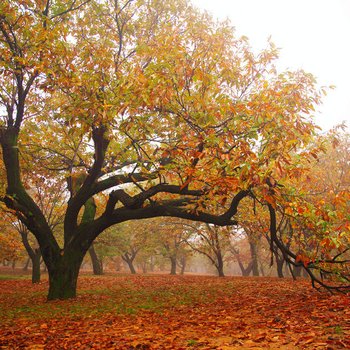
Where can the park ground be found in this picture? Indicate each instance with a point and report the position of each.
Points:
(173, 312)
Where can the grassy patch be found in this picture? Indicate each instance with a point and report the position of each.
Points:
(14, 277)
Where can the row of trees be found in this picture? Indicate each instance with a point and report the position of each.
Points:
(134, 109)
(159, 246)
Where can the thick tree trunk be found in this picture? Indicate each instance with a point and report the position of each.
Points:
(63, 276)
(96, 262)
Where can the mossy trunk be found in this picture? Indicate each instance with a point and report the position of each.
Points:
(63, 277)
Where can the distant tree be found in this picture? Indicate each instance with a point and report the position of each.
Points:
(211, 241)
(172, 237)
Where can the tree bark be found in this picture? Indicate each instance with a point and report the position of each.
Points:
(183, 264)
(173, 265)
(34, 255)
(131, 267)
(63, 276)
(96, 262)
(220, 265)
(36, 274)
(254, 255)
(279, 263)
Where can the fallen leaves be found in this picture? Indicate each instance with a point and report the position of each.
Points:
(174, 312)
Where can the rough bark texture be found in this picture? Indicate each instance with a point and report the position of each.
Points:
(63, 276)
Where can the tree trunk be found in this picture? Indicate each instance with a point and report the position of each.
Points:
(183, 265)
(131, 267)
(254, 255)
(246, 271)
(36, 275)
(297, 271)
(63, 276)
(96, 262)
(33, 253)
(279, 263)
(173, 265)
(220, 266)
(129, 261)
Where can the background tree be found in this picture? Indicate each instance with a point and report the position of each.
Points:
(244, 245)
(129, 239)
(171, 236)
(319, 212)
(211, 241)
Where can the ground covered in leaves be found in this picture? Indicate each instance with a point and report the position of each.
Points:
(173, 312)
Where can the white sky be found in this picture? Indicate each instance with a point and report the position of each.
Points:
(312, 34)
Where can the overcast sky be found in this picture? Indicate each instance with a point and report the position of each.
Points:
(312, 34)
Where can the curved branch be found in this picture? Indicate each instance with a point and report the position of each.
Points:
(287, 254)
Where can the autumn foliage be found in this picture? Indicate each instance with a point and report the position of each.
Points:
(148, 109)
(177, 312)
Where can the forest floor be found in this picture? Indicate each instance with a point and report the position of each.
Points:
(173, 312)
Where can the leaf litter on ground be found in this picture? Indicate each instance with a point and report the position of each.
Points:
(174, 312)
